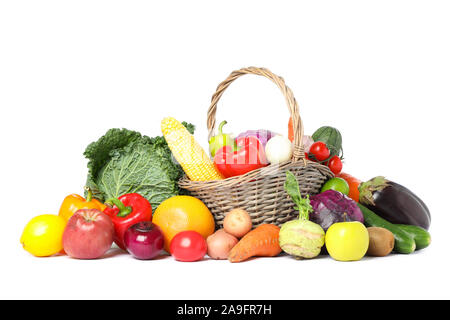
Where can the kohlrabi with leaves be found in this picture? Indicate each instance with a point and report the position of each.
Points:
(300, 238)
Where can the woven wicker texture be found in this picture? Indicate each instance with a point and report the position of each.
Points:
(260, 192)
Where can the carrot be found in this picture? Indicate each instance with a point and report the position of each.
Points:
(290, 130)
(353, 184)
(260, 242)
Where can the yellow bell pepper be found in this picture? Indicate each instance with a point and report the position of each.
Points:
(74, 202)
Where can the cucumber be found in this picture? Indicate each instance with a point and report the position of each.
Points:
(422, 237)
(404, 242)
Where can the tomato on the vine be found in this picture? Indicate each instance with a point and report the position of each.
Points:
(306, 156)
(335, 164)
(319, 150)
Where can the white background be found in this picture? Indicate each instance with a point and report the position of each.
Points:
(69, 70)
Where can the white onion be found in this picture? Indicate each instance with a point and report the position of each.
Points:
(278, 149)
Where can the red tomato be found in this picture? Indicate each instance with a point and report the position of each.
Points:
(335, 165)
(319, 150)
(188, 246)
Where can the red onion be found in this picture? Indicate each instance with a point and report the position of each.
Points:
(144, 240)
(262, 135)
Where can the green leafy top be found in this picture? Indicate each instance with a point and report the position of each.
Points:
(292, 189)
(124, 161)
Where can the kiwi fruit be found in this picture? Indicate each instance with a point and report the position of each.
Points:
(381, 242)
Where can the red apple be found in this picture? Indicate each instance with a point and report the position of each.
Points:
(88, 235)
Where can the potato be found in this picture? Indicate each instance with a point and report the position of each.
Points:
(237, 223)
(220, 244)
(381, 242)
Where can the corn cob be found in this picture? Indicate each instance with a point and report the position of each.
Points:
(190, 155)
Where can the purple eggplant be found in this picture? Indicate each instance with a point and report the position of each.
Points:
(394, 202)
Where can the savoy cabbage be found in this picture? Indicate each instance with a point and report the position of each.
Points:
(124, 161)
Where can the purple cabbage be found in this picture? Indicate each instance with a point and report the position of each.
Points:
(262, 135)
(329, 207)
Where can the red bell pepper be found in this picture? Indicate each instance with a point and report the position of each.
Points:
(126, 211)
(246, 156)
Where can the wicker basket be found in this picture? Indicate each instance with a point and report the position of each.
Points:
(260, 192)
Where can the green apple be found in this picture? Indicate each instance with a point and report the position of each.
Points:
(347, 241)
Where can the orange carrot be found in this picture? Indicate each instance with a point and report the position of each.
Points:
(260, 242)
(291, 130)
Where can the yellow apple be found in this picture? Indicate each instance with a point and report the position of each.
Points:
(347, 241)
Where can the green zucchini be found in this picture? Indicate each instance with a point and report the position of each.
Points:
(404, 242)
(421, 236)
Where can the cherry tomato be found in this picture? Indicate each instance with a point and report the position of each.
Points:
(335, 164)
(319, 150)
(188, 246)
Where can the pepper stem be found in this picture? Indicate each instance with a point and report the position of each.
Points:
(89, 194)
(123, 210)
(224, 122)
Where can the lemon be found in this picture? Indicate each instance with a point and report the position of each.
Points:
(42, 236)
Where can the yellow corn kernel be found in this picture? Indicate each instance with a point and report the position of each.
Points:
(190, 155)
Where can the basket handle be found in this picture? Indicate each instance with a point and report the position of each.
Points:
(298, 153)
